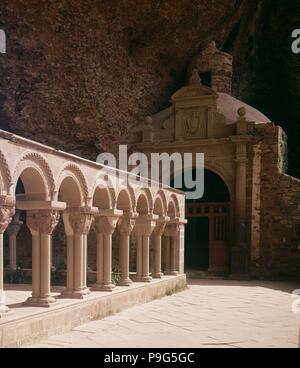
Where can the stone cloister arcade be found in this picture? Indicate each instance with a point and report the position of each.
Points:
(59, 185)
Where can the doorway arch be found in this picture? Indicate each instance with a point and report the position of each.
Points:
(207, 230)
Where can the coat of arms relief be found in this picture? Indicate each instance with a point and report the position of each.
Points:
(195, 124)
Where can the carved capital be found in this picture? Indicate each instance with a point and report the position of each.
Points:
(105, 225)
(14, 228)
(171, 230)
(81, 222)
(145, 224)
(6, 215)
(126, 225)
(43, 221)
(159, 228)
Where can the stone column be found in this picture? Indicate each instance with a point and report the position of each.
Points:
(240, 253)
(78, 223)
(104, 227)
(157, 235)
(139, 257)
(180, 247)
(41, 224)
(144, 227)
(125, 227)
(6, 214)
(167, 245)
(171, 232)
(146, 259)
(13, 231)
(174, 244)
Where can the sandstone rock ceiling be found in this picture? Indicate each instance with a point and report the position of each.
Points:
(78, 73)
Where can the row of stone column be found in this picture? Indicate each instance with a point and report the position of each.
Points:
(7, 212)
(78, 222)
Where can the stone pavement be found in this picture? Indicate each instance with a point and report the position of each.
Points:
(211, 313)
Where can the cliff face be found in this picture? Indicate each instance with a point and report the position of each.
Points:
(77, 74)
(266, 72)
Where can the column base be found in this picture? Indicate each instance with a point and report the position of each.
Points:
(136, 278)
(108, 287)
(158, 275)
(125, 282)
(76, 294)
(142, 278)
(146, 279)
(40, 302)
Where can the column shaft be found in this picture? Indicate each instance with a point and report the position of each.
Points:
(70, 263)
(1, 264)
(36, 256)
(45, 270)
(180, 250)
(79, 257)
(84, 270)
(107, 261)
(157, 257)
(100, 259)
(240, 251)
(124, 260)
(13, 252)
(173, 249)
(146, 275)
(3, 308)
(6, 214)
(139, 257)
(167, 241)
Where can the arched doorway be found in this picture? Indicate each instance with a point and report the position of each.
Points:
(207, 230)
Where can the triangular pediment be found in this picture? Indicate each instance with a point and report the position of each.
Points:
(191, 92)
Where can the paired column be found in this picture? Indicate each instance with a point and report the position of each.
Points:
(171, 234)
(77, 226)
(6, 214)
(13, 231)
(167, 248)
(125, 227)
(157, 237)
(144, 227)
(104, 226)
(41, 224)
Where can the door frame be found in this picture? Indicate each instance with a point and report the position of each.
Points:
(219, 231)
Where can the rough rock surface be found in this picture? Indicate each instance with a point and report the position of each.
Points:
(77, 74)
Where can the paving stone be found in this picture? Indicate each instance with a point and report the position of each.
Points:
(207, 315)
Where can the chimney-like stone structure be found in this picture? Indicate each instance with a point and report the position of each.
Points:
(214, 67)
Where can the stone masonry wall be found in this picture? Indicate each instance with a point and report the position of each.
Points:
(279, 255)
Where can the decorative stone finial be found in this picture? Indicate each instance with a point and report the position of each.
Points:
(148, 120)
(195, 79)
(242, 113)
(242, 124)
(148, 131)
